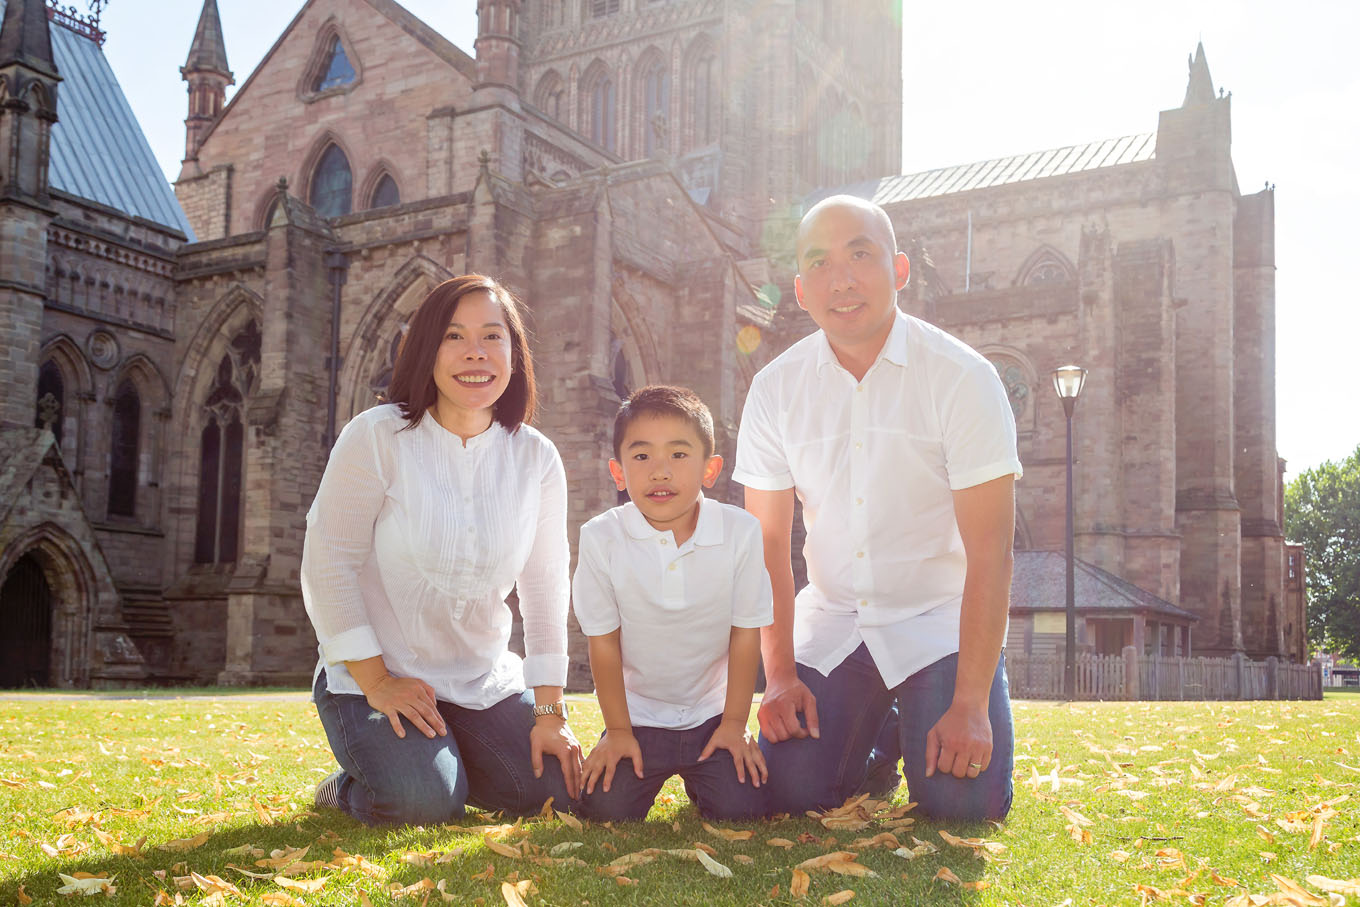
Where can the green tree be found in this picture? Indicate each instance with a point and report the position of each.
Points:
(1322, 510)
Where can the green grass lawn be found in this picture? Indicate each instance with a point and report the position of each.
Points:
(166, 796)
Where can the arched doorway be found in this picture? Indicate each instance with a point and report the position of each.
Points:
(25, 626)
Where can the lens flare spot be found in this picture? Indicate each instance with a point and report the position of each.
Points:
(748, 339)
(769, 295)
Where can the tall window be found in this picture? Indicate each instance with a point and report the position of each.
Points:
(656, 100)
(706, 105)
(127, 422)
(602, 113)
(332, 183)
(386, 193)
(550, 96)
(598, 9)
(51, 398)
(339, 71)
(221, 456)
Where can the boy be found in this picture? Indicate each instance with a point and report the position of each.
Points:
(671, 590)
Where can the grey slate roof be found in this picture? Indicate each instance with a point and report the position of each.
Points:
(1039, 583)
(98, 149)
(1002, 171)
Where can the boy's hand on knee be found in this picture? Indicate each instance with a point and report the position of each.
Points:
(733, 736)
(604, 758)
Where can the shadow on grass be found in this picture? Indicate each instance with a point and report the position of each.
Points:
(459, 855)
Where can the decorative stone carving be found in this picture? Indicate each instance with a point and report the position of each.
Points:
(103, 349)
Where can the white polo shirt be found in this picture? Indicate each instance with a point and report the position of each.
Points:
(875, 463)
(675, 606)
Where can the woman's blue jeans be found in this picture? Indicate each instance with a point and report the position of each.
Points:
(852, 705)
(483, 761)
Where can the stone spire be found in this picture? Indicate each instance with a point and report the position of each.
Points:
(25, 39)
(208, 76)
(1200, 90)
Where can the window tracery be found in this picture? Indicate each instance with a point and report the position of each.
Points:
(332, 183)
(222, 449)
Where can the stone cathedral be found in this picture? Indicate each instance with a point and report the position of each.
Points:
(177, 359)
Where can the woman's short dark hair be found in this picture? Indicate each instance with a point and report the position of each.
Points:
(412, 387)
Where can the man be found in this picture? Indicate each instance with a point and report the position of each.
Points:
(900, 442)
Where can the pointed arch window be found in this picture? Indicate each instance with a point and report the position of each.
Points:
(384, 376)
(127, 423)
(338, 71)
(705, 106)
(222, 451)
(332, 183)
(602, 113)
(385, 193)
(1047, 271)
(656, 101)
(51, 398)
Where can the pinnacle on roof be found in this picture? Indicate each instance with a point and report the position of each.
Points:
(24, 37)
(1200, 90)
(209, 51)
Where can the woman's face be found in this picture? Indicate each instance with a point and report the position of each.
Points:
(473, 364)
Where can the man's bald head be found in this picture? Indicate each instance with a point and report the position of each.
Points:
(874, 217)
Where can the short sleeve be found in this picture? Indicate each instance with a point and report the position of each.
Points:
(761, 460)
(979, 429)
(752, 600)
(592, 590)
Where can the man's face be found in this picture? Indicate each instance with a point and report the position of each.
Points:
(849, 275)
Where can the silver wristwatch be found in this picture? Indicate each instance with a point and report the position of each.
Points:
(558, 708)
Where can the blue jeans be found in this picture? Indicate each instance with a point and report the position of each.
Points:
(484, 761)
(852, 706)
(711, 785)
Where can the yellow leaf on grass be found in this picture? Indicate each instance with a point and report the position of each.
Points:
(780, 842)
(505, 850)
(1318, 821)
(569, 820)
(117, 847)
(1298, 895)
(629, 860)
(1074, 817)
(713, 866)
(565, 847)
(1265, 835)
(821, 861)
(486, 874)
(848, 868)
(1336, 886)
(307, 886)
(799, 886)
(281, 899)
(23, 896)
(839, 897)
(945, 875)
(729, 834)
(624, 880)
(845, 823)
(512, 896)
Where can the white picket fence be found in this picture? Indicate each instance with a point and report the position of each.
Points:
(1135, 676)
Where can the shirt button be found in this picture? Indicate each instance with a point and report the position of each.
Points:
(663, 541)
(671, 567)
(859, 554)
(858, 445)
(863, 602)
(859, 500)
(859, 388)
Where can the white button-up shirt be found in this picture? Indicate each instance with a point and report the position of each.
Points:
(874, 463)
(675, 606)
(413, 543)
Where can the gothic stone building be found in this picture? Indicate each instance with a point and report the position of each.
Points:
(176, 365)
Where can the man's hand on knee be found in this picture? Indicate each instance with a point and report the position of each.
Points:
(960, 743)
(779, 710)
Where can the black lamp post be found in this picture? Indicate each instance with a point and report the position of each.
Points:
(1067, 381)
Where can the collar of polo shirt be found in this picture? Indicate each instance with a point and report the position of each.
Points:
(894, 348)
(708, 530)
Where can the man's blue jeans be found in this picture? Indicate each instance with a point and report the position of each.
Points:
(852, 703)
(711, 785)
(484, 761)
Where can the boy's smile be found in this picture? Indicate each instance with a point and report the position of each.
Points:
(664, 470)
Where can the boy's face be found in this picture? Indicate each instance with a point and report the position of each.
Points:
(664, 471)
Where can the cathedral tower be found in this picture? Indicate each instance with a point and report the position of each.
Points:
(497, 45)
(208, 76)
(28, 108)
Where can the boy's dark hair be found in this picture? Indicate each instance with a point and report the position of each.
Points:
(412, 386)
(664, 400)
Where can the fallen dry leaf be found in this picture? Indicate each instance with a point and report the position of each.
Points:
(780, 842)
(281, 899)
(306, 886)
(799, 886)
(1336, 886)
(513, 896)
(839, 897)
(1298, 895)
(946, 875)
(821, 861)
(713, 866)
(569, 820)
(23, 896)
(729, 834)
(85, 884)
(505, 850)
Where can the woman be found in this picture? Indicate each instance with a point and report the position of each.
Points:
(432, 507)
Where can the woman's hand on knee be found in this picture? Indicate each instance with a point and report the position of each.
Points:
(553, 736)
(410, 697)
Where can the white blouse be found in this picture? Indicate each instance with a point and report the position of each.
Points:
(413, 543)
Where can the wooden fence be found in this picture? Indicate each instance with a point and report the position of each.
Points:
(1135, 676)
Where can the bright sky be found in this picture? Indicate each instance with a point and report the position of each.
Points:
(987, 79)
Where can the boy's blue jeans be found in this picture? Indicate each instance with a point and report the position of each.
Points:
(711, 785)
(484, 761)
(852, 704)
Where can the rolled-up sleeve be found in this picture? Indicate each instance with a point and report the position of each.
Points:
(543, 584)
(339, 541)
(761, 462)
